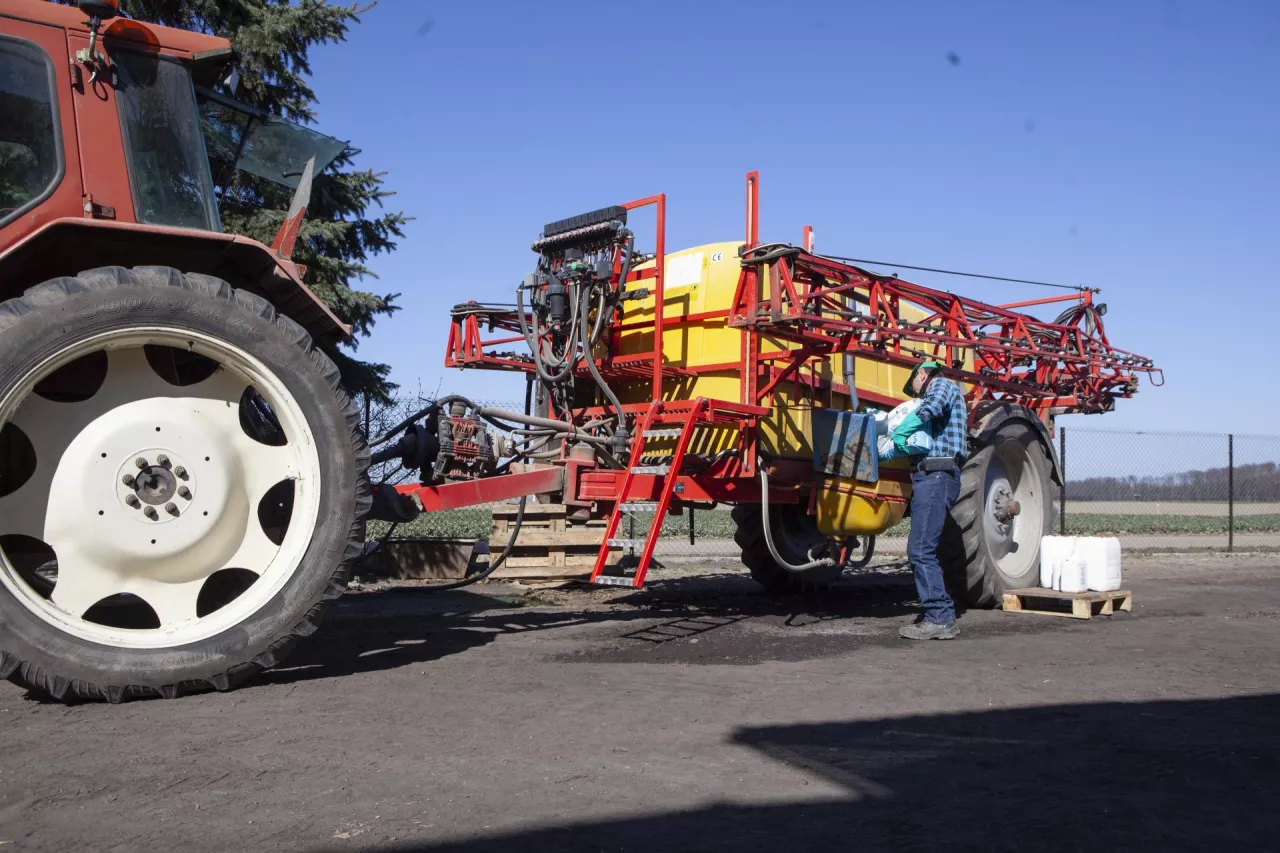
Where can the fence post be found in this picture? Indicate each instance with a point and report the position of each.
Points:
(1062, 487)
(1231, 493)
(692, 539)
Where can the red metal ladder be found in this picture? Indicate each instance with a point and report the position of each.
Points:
(656, 425)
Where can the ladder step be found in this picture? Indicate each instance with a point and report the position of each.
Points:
(626, 543)
(612, 580)
(651, 469)
(662, 433)
(640, 506)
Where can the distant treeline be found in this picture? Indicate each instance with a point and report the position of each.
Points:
(1252, 483)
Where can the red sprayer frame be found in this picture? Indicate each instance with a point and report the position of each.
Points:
(825, 306)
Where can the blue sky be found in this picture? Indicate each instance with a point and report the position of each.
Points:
(1129, 146)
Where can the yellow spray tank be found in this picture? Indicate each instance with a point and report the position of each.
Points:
(703, 280)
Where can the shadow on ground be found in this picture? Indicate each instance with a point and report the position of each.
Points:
(1190, 775)
(403, 626)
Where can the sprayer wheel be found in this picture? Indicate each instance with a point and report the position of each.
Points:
(795, 535)
(985, 549)
(182, 463)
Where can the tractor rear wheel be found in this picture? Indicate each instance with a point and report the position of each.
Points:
(991, 542)
(796, 536)
(182, 481)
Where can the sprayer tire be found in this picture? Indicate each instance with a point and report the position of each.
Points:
(982, 558)
(57, 653)
(794, 532)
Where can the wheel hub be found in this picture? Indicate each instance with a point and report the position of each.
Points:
(162, 489)
(155, 485)
(999, 514)
(1004, 507)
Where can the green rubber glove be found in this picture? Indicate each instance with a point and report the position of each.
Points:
(910, 425)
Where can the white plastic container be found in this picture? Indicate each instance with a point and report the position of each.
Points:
(1062, 564)
(1050, 553)
(1071, 574)
(1079, 563)
(1102, 563)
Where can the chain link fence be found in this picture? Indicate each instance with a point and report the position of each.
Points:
(1154, 490)
(1170, 490)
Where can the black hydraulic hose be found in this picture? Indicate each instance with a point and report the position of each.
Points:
(562, 367)
(605, 314)
(422, 413)
(377, 546)
(570, 351)
(494, 564)
(620, 433)
(865, 560)
(533, 337)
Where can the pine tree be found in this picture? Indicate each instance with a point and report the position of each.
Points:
(346, 221)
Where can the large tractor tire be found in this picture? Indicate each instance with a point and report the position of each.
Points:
(989, 545)
(182, 484)
(796, 535)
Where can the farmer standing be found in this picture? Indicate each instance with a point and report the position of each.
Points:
(935, 486)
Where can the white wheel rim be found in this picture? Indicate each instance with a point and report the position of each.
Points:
(163, 547)
(1014, 541)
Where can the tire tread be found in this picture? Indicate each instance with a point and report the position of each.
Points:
(49, 294)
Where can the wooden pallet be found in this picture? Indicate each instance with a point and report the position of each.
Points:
(548, 546)
(1082, 605)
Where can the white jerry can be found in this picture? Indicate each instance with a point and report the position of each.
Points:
(1102, 563)
(1079, 563)
(1062, 564)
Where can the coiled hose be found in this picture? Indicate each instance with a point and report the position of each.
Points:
(768, 533)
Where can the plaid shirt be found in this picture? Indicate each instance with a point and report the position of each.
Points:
(945, 415)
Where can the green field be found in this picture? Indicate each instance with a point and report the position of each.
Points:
(718, 524)
(1087, 524)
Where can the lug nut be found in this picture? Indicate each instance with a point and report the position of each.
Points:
(132, 501)
(150, 512)
(140, 462)
(180, 472)
(171, 508)
(128, 480)
(163, 461)
(184, 493)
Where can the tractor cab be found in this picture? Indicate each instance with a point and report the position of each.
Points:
(147, 130)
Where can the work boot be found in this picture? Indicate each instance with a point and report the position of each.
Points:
(926, 630)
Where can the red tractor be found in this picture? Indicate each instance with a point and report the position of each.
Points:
(183, 479)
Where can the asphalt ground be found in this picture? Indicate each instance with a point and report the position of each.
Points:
(698, 714)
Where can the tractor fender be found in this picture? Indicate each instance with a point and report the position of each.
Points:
(68, 246)
(988, 419)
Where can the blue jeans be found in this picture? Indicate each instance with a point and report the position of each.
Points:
(932, 496)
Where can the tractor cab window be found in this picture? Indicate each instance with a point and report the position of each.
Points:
(247, 139)
(168, 167)
(30, 159)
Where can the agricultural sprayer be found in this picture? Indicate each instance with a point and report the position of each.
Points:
(183, 479)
